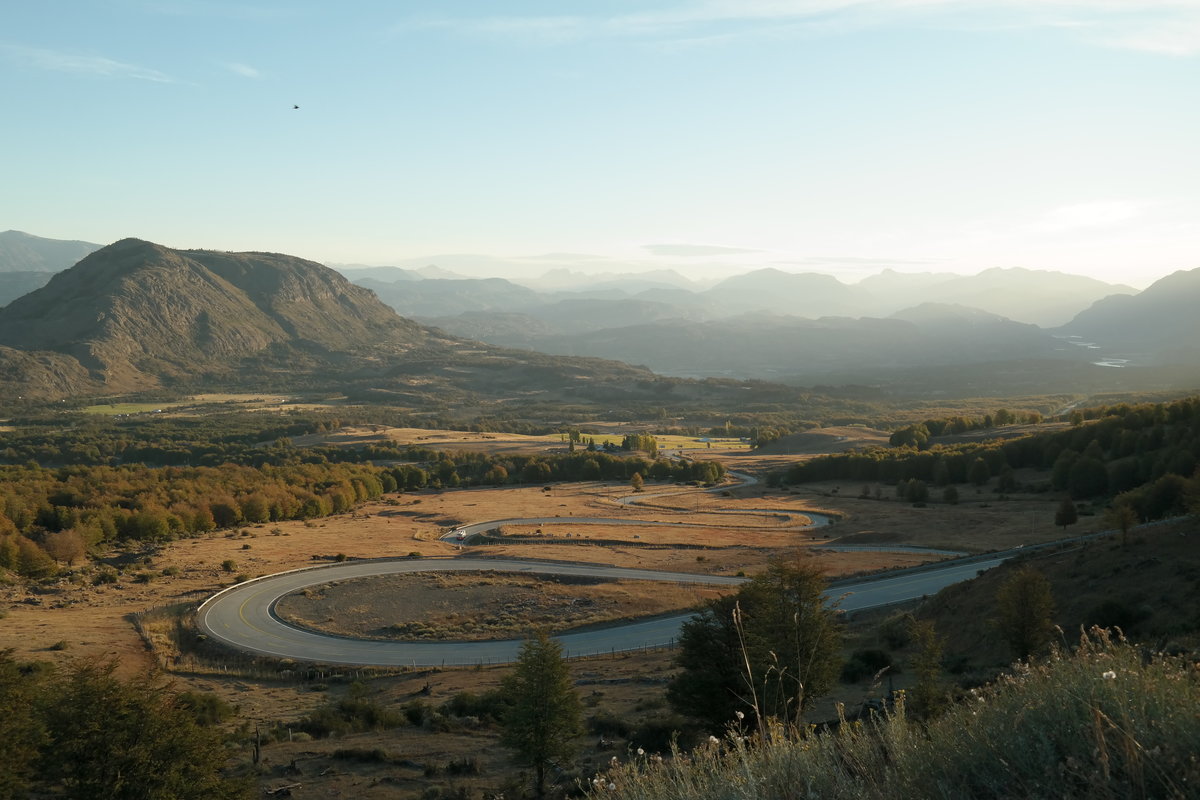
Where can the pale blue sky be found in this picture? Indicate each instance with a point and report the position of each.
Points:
(811, 135)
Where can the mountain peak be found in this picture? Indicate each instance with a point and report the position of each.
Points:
(135, 312)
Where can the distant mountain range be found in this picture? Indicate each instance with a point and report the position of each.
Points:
(135, 315)
(27, 262)
(22, 252)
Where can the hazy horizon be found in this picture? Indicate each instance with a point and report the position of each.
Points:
(706, 136)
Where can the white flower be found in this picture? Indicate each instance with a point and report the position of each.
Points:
(713, 740)
(612, 787)
(740, 715)
(641, 752)
(1109, 676)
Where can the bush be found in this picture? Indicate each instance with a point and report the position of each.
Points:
(896, 630)
(606, 723)
(353, 714)
(1103, 722)
(864, 664)
(1117, 614)
(105, 576)
(206, 708)
(659, 732)
(487, 706)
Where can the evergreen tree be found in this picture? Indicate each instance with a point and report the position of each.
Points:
(1026, 608)
(104, 737)
(928, 693)
(772, 648)
(543, 720)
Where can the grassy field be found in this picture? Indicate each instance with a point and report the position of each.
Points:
(117, 409)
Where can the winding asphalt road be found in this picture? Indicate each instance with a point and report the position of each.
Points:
(243, 616)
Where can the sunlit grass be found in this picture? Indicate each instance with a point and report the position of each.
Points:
(113, 409)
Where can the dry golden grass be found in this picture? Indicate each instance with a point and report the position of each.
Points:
(472, 606)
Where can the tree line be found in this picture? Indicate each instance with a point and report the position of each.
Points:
(54, 516)
(1144, 455)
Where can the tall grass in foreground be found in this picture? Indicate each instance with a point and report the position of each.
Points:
(1101, 722)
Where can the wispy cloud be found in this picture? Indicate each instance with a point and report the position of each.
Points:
(1162, 26)
(80, 64)
(245, 70)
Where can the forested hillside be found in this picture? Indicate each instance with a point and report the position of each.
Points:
(1145, 455)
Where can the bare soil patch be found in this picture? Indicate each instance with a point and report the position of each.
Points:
(472, 606)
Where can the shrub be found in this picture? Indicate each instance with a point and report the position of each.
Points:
(353, 714)
(206, 708)
(487, 706)
(1104, 722)
(864, 664)
(1117, 614)
(606, 723)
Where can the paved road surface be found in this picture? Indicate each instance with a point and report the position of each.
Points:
(243, 615)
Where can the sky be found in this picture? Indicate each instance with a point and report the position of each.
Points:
(835, 136)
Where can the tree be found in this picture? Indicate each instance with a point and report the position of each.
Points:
(1121, 516)
(21, 731)
(950, 496)
(770, 649)
(1066, 514)
(636, 482)
(66, 547)
(928, 694)
(979, 474)
(543, 720)
(128, 741)
(1025, 610)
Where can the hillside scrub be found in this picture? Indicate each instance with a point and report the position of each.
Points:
(1106, 721)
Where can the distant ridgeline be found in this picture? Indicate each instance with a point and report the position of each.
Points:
(1145, 455)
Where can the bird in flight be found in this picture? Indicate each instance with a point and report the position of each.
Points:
(294, 107)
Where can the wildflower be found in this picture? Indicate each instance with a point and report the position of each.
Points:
(641, 752)
(740, 715)
(713, 740)
(1109, 675)
(612, 787)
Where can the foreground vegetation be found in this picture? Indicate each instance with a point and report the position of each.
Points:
(82, 733)
(1108, 720)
